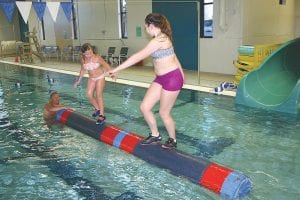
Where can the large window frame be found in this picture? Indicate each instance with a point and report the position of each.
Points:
(75, 34)
(206, 18)
(123, 19)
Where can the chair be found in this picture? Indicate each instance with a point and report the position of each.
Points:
(50, 51)
(123, 55)
(45, 49)
(67, 53)
(55, 52)
(110, 55)
(95, 49)
(76, 53)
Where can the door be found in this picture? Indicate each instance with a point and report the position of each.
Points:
(183, 17)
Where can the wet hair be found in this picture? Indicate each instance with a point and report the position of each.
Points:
(87, 46)
(52, 94)
(159, 21)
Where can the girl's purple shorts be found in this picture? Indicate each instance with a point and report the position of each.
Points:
(171, 81)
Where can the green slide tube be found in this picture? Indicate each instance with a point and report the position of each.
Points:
(275, 84)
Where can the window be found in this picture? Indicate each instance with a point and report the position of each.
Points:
(73, 21)
(206, 18)
(123, 19)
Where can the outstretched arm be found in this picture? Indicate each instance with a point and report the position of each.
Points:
(59, 107)
(106, 66)
(152, 46)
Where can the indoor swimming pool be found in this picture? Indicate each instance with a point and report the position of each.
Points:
(36, 163)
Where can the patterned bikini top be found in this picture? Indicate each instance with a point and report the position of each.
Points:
(161, 53)
(91, 65)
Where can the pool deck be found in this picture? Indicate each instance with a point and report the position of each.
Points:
(137, 75)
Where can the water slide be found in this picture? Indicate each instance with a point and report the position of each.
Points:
(275, 84)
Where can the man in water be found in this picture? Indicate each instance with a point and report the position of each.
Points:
(51, 109)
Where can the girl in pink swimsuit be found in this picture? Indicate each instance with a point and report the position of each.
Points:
(95, 66)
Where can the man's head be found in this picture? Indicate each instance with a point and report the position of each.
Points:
(54, 98)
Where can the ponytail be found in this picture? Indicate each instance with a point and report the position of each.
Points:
(160, 21)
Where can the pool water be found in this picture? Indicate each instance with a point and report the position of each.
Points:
(66, 164)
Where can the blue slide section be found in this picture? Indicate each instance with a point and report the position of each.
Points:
(275, 84)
